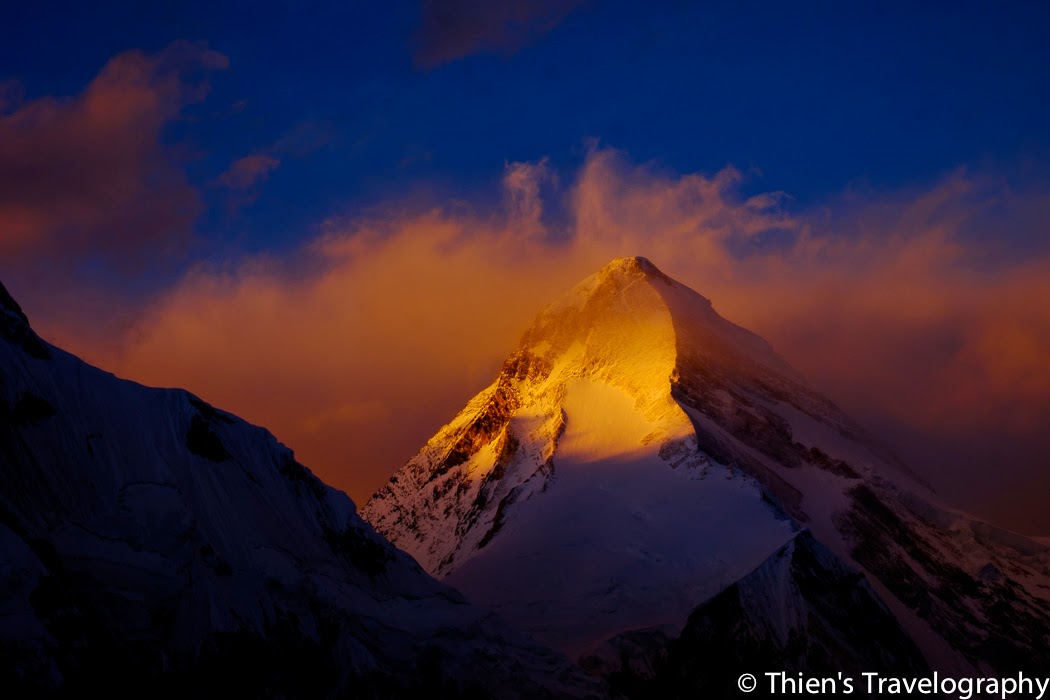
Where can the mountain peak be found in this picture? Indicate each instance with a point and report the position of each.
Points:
(9, 306)
(610, 299)
(586, 412)
(635, 312)
(617, 274)
(15, 328)
(647, 341)
(630, 265)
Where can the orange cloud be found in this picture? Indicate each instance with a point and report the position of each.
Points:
(88, 175)
(380, 329)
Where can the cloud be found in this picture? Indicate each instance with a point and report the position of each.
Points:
(903, 306)
(244, 173)
(304, 139)
(454, 29)
(88, 175)
(243, 178)
(522, 183)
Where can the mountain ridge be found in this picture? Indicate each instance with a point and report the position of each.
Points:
(150, 542)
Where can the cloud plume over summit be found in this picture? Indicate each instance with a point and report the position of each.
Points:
(899, 305)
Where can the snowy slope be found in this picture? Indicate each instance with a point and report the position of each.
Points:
(150, 540)
(638, 454)
(623, 539)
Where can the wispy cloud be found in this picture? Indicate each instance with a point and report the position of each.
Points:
(244, 173)
(243, 179)
(454, 29)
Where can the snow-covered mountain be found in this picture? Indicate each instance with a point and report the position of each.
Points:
(639, 456)
(153, 545)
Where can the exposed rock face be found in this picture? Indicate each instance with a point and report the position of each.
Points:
(983, 589)
(639, 456)
(151, 544)
(802, 611)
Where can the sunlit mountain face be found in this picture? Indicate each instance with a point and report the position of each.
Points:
(645, 477)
